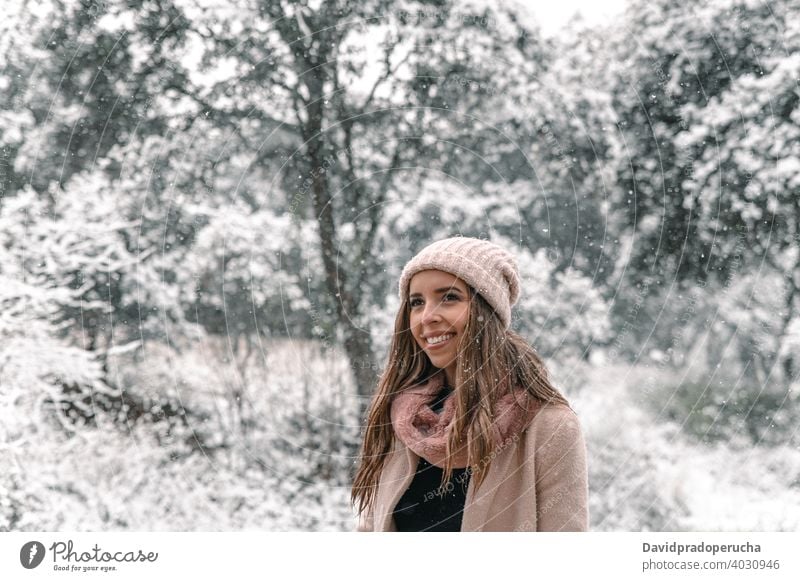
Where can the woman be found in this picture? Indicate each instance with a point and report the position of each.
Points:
(466, 432)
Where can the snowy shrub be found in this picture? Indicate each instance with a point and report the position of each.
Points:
(285, 467)
(633, 480)
(241, 275)
(729, 344)
(742, 489)
(86, 483)
(48, 392)
(645, 476)
(725, 409)
(561, 313)
(289, 407)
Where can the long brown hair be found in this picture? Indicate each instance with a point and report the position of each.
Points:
(488, 353)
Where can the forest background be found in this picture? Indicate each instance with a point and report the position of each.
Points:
(205, 207)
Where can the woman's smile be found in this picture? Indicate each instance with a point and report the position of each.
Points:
(438, 341)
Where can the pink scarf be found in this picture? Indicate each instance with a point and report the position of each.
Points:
(425, 432)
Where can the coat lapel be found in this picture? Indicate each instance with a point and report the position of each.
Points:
(396, 477)
(477, 506)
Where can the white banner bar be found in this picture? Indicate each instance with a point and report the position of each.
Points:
(254, 555)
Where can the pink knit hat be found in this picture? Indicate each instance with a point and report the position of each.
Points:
(486, 267)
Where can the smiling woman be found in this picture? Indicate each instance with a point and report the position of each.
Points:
(466, 432)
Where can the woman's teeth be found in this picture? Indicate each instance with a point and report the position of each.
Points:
(439, 339)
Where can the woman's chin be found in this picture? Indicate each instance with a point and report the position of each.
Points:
(440, 363)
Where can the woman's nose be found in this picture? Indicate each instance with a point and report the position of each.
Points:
(431, 313)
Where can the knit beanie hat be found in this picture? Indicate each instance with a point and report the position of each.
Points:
(486, 267)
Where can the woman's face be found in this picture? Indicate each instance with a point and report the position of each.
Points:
(439, 303)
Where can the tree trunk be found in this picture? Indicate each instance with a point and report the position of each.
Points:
(359, 351)
(346, 298)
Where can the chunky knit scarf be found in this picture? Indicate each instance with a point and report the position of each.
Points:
(425, 432)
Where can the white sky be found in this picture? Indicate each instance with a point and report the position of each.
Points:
(553, 14)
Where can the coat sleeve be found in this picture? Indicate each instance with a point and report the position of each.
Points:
(562, 487)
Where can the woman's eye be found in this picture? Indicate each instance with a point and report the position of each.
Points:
(449, 296)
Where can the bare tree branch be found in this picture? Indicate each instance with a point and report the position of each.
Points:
(388, 73)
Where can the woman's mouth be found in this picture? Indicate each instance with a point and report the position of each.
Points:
(438, 341)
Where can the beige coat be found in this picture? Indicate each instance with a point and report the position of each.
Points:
(537, 482)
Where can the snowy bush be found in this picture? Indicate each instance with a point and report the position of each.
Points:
(561, 313)
(47, 396)
(645, 475)
(725, 365)
(633, 465)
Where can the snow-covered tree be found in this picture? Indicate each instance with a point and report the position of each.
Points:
(707, 101)
(87, 76)
(354, 96)
(744, 145)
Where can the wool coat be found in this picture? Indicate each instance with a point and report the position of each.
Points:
(537, 481)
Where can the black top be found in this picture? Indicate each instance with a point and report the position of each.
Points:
(426, 505)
